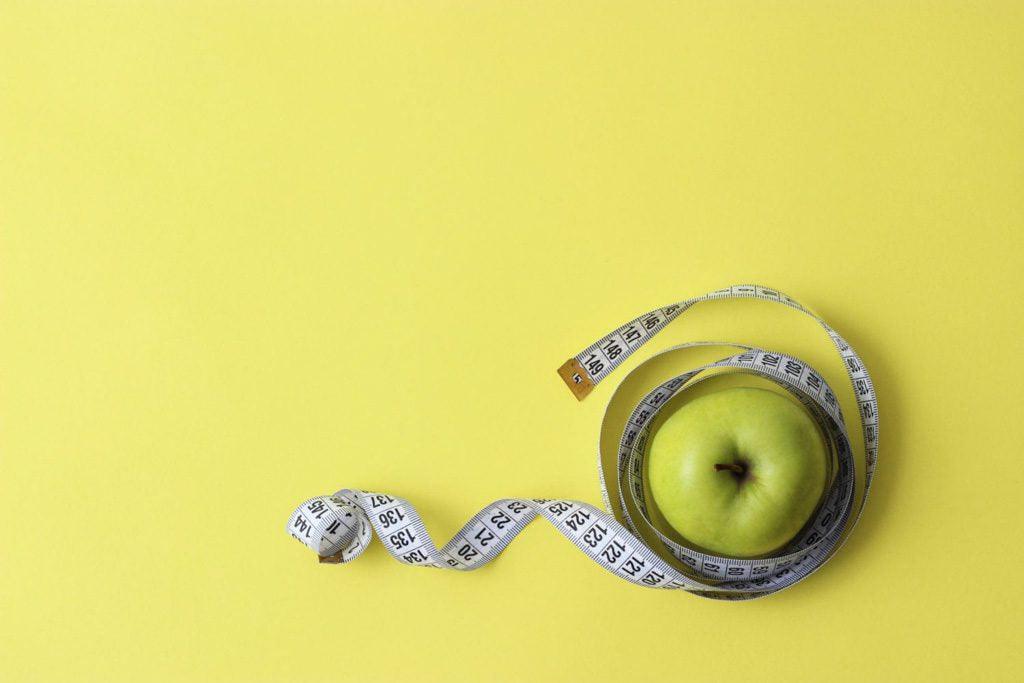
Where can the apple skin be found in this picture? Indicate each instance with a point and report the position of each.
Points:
(750, 514)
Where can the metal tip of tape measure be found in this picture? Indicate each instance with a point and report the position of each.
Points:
(576, 378)
(330, 559)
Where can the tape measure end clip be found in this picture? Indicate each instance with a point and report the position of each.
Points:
(576, 378)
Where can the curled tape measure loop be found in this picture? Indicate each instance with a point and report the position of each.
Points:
(338, 527)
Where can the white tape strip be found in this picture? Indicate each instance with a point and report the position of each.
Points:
(337, 527)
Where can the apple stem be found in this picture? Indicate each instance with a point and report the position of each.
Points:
(738, 469)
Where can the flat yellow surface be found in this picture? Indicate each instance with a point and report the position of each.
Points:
(253, 252)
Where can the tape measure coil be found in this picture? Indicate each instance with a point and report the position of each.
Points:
(338, 527)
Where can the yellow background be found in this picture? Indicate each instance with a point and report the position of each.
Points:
(257, 251)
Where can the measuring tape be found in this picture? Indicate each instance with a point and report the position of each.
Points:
(338, 527)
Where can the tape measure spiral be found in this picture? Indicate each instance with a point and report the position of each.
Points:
(338, 527)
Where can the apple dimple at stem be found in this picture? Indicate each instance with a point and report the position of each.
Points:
(738, 472)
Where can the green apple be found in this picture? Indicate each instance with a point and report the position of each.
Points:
(738, 472)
